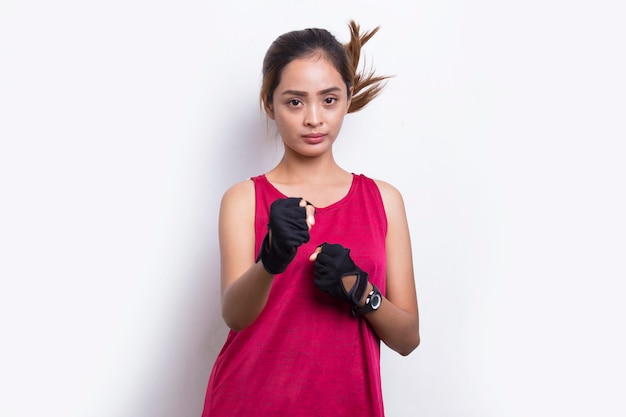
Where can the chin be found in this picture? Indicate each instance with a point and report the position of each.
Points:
(309, 150)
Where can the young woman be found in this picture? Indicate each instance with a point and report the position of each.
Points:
(316, 263)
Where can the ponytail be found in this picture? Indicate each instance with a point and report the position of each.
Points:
(366, 85)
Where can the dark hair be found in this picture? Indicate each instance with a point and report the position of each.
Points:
(345, 58)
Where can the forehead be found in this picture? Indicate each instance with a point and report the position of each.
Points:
(310, 74)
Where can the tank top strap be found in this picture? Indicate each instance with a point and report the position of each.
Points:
(367, 195)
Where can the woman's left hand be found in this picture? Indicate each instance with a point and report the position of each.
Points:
(337, 274)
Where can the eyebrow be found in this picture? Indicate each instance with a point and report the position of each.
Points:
(304, 93)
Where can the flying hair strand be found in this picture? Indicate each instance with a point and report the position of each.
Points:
(366, 84)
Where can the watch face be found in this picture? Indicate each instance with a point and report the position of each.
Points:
(376, 300)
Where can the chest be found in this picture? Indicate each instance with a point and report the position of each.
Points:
(319, 195)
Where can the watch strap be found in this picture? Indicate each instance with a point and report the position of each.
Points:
(369, 306)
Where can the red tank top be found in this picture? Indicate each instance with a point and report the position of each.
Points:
(306, 355)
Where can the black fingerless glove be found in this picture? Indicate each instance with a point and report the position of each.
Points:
(287, 230)
(332, 264)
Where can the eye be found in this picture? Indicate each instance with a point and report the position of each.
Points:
(330, 100)
(294, 102)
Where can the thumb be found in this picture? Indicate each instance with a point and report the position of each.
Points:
(313, 256)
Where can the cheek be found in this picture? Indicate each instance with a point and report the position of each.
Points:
(338, 118)
(284, 124)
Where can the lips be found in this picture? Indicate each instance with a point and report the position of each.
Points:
(314, 137)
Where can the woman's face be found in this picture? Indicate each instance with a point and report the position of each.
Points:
(309, 105)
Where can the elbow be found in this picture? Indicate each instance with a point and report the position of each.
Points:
(235, 317)
(404, 339)
(412, 339)
(411, 346)
(234, 326)
(234, 322)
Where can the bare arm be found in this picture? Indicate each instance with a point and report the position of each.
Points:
(396, 322)
(245, 285)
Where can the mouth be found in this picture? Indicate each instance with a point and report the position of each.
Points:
(314, 137)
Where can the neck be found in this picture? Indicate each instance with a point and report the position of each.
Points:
(297, 168)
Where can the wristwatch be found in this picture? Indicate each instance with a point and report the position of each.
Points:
(372, 302)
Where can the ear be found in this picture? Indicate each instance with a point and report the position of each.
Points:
(269, 109)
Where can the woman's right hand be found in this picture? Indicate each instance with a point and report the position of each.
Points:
(290, 220)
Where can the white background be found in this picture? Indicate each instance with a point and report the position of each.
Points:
(123, 122)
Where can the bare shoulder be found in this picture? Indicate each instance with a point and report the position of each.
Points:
(237, 207)
(239, 195)
(392, 198)
(236, 225)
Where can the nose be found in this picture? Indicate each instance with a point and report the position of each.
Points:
(313, 116)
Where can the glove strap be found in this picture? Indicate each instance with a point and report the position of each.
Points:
(269, 260)
(358, 289)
